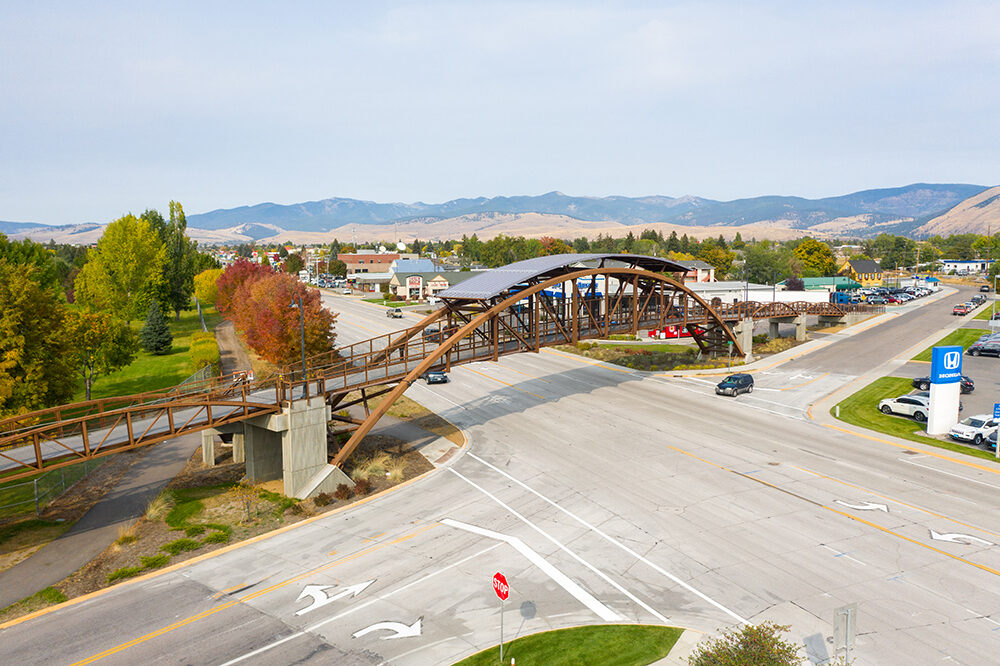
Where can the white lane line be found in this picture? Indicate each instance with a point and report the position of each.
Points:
(745, 404)
(958, 476)
(558, 577)
(612, 540)
(649, 609)
(843, 554)
(711, 383)
(438, 395)
(353, 609)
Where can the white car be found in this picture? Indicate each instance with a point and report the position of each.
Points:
(974, 428)
(906, 405)
(346, 291)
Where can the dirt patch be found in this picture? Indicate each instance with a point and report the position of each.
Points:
(409, 410)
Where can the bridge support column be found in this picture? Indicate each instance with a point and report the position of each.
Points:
(262, 447)
(773, 328)
(743, 331)
(303, 448)
(800, 328)
(238, 452)
(208, 448)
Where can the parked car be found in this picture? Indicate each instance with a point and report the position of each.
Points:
(347, 291)
(984, 288)
(927, 395)
(906, 405)
(435, 377)
(991, 441)
(924, 383)
(394, 313)
(960, 309)
(974, 428)
(876, 300)
(735, 384)
(987, 347)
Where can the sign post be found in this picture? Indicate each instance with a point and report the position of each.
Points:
(502, 589)
(946, 374)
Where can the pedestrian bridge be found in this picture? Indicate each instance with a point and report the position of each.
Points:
(282, 421)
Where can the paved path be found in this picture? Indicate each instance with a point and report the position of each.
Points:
(99, 527)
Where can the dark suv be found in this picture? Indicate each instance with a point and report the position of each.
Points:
(735, 384)
(924, 383)
(984, 348)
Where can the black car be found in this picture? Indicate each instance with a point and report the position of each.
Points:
(435, 377)
(924, 383)
(984, 348)
(735, 384)
(985, 287)
(991, 441)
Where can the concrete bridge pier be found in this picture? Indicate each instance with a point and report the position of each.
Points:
(800, 326)
(743, 330)
(290, 446)
(848, 319)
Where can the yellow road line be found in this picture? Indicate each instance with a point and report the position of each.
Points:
(504, 383)
(983, 567)
(526, 374)
(810, 381)
(897, 501)
(253, 595)
(374, 537)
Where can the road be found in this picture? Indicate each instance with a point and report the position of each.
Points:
(603, 496)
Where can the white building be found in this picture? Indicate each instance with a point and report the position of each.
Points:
(962, 266)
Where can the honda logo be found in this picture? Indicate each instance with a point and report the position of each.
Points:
(952, 360)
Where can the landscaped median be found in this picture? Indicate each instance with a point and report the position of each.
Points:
(861, 409)
(606, 644)
(962, 336)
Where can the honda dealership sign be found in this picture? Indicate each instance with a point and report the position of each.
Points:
(946, 365)
(946, 373)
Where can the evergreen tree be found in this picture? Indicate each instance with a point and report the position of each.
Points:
(155, 336)
(673, 243)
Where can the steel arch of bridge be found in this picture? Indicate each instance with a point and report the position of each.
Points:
(653, 300)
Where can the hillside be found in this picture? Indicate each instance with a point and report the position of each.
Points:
(977, 214)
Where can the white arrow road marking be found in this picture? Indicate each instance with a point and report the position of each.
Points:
(954, 537)
(864, 506)
(561, 579)
(402, 630)
(320, 599)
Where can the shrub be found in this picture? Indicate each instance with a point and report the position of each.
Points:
(297, 509)
(342, 492)
(216, 537)
(749, 644)
(362, 487)
(180, 545)
(160, 506)
(219, 527)
(395, 470)
(179, 515)
(194, 530)
(124, 572)
(760, 339)
(323, 499)
(204, 352)
(126, 534)
(154, 561)
(374, 465)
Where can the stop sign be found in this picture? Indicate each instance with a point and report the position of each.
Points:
(500, 586)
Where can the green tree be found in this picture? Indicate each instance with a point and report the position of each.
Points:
(25, 252)
(180, 267)
(34, 348)
(749, 645)
(816, 257)
(101, 344)
(126, 271)
(337, 267)
(720, 258)
(205, 288)
(293, 264)
(155, 336)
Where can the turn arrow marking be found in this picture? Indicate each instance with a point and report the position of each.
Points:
(401, 630)
(959, 538)
(320, 598)
(864, 506)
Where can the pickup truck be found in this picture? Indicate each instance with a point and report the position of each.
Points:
(394, 313)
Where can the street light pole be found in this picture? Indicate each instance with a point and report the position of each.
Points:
(302, 332)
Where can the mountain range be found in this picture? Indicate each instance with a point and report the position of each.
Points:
(909, 210)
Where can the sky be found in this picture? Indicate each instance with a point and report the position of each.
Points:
(107, 108)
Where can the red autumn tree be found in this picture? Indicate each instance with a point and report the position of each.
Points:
(554, 246)
(262, 312)
(235, 276)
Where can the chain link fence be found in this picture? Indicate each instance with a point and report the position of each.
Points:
(24, 497)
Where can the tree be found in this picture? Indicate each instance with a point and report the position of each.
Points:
(554, 246)
(293, 264)
(794, 283)
(337, 267)
(232, 279)
(261, 312)
(205, 288)
(125, 272)
(180, 267)
(35, 371)
(816, 257)
(155, 336)
(101, 344)
(25, 252)
(748, 645)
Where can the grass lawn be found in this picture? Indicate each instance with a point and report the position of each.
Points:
(653, 347)
(986, 313)
(18, 497)
(962, 336)
(148, 372)
(387, 303)
(607, 645)
(861, 409)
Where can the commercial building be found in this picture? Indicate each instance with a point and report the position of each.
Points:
(964, 267)
(863, 271)
(418, 286)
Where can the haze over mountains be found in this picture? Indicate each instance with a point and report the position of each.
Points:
(906, 210)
